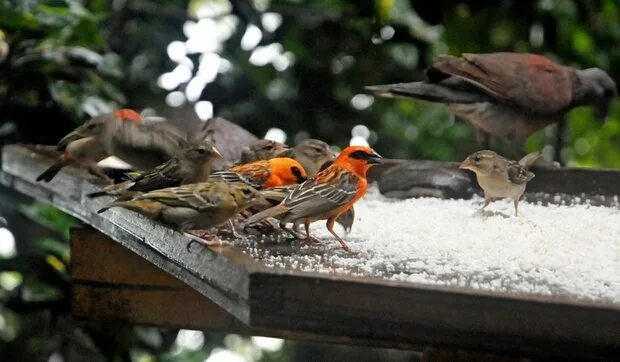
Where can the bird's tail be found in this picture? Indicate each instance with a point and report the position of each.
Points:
(528, 160)
(51, 172)
(112, 190)
(151, 209)
(271, 212)
(425, 91)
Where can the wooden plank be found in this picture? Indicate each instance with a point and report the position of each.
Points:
(112, 284)
(336, 306)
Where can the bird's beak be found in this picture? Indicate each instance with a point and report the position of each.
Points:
(466, 165)
(601, 111)
(73, 136)
(216, 152)
(375, 158)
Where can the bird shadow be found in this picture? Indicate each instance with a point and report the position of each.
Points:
(489, 213)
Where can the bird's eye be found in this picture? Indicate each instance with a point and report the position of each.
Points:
(247, 191)
(90, 127)
(269, 148)
(295, 170)
(201, 151)
(476, 158)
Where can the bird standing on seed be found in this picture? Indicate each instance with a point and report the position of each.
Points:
(262, 150)
(126, 135)
(507, 95)
(327, 195)
(500, 177)
(193, 207)
(274, 172)
(84, 152)
(312, 154)
(192, 165)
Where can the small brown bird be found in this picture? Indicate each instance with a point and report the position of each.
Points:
(193, 207)
(507, 95)
(192, 165)
(499, 176)
(84, 152)
(126, 135)
(262, 150)
(312, 154)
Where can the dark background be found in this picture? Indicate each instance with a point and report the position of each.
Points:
(64, 61)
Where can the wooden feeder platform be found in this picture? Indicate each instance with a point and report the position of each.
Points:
(127, 268)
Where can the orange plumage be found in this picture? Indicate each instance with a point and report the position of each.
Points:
(327, 195)
(279, 171)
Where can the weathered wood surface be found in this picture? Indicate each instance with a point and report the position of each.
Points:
(385, 313)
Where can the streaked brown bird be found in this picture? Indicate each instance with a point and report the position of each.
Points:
(262, 150)
(191, 165)
(507, 95)
(499, 176)
(84, 152)
(126, 135)
(196, 206)
(312, 154)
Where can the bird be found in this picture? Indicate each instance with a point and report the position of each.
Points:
(126, 135)
(191, 165)
(312, 154)
(262, 150)
(195, 206)
(277, 171)
(499, 176)
(507, 95)
(275, 195)
(327, 195)
(84, 152)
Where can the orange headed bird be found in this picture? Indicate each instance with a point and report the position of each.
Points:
(327, 195)
(279, 171)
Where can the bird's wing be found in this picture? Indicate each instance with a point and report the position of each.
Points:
(329, 190)
(529, 81)
(159, 137)
(230, 177)
(518, 173)
(200, 197)
(258, 172)
(165, 175)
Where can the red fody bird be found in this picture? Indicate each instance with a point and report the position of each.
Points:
(507, 95)
(279, 171)
(327, 195)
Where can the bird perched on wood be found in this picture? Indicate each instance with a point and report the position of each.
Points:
(507, 95)
(312, 154)
(262, 150)
(126, 135)
(327, 195)
(193, 207)
(192, 165)
(84, 152)
(277, 171)
(500, 177)
(275, 195)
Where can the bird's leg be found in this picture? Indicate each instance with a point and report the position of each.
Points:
(309, 239)
(330, 227)
(97, 171)
(559, 140)
(294, 234)
(234, 232)
(487, 201)
(213, 241)
(516, 202)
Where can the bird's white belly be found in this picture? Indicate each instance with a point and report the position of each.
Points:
(500, 188)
